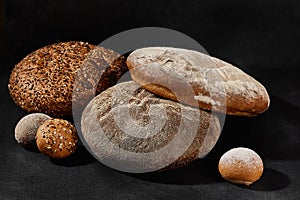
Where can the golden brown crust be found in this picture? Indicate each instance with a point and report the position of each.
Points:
(216, 84)
(57, 138)
(241, 166)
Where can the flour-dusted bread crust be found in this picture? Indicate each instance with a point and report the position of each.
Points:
(26, 129)
(216, 84)
(133, 130)
(241, 166)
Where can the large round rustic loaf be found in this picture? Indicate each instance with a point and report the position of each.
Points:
(216, 84)
(44, 80)
(130, 129)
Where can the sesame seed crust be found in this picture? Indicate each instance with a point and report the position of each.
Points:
(101, 69)
(57, 138)
(43, 81)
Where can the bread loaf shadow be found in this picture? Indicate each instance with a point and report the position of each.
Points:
(271, 180)
(201, 171)
(80, 157)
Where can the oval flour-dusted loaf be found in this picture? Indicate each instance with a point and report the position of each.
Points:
(130, 129)
(217, 85)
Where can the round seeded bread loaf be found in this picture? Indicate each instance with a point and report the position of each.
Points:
(216, 84)
(130, 129)
(101, 70)
(44, 80)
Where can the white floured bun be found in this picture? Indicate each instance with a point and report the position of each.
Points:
(241, 166)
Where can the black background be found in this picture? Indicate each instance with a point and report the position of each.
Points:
(261, 37)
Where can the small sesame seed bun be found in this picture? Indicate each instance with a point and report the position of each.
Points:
(241, 166)
(27, 127)
(57, 138)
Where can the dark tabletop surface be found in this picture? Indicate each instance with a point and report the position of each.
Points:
(270, 55)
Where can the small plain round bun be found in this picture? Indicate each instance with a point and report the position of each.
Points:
(57, 138)
(27, 127)
(241, 166)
